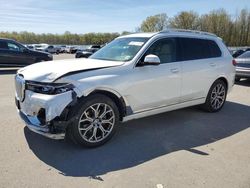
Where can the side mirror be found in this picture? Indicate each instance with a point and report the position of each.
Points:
(152, 60)
(25, 50)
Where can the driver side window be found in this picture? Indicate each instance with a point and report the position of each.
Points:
(165, 49)
(13, 47)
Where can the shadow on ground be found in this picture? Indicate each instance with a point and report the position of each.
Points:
(142, 140)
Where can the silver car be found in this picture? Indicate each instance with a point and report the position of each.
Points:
(243, 66)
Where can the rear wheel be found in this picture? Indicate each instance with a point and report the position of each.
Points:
(96, 121)
(216, 96)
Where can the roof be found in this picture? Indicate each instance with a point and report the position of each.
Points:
(181, 32)
(186, 31)
(7, 39)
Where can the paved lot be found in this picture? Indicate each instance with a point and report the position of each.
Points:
(63, 56)
(183, 148)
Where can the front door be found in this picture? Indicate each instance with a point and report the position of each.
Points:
(155, 86)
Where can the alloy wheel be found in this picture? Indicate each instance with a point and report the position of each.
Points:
(218, 96)
(96, 122)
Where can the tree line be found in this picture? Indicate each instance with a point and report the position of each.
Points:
(234, 30)
(66, 38)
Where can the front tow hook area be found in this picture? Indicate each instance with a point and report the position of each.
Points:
(42, 130)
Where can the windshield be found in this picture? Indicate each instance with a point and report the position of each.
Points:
(121, 49)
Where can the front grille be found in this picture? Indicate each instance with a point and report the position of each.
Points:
(20, 87)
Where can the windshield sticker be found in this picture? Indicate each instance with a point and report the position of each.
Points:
(135, 43)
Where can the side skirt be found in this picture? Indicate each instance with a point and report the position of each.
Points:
(164, 109)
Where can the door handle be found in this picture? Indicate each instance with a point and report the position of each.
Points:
(174, 70)
(212, 64)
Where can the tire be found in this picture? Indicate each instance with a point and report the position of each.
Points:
(96, 120)
(216, 97)
(237, 79)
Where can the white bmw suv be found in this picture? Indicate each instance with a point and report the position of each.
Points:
(133, 76)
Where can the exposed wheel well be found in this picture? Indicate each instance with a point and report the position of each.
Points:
(120, 103)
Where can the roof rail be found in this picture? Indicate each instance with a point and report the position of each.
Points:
(188, 31)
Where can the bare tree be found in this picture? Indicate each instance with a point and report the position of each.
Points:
(154, 23)
(185, 20)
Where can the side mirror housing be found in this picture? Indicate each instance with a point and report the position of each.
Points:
(152, 60)
(25, 50)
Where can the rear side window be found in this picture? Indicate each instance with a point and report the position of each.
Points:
(192, 49)
(3, 45)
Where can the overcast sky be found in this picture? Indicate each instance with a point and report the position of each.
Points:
(82, 16)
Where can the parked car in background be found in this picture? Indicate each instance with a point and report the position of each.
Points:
(239, 52)
(62, 48)
(70, 49)
(133, 76)
(87, 52)
(243, 66)
(14, 54)
(31, 47)
(40, 47)
(52, 49)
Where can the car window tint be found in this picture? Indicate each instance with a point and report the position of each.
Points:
(13, 47)
(214, 48)
(198, 49)
(3, 45)
(165, 49)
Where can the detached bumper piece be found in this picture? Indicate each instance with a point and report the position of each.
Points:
(44, 130)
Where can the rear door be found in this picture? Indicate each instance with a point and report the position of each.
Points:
(199, 61)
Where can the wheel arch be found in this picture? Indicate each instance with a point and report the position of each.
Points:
(224, 79)
(116, 97)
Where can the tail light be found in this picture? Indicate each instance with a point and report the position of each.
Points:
(234, 62)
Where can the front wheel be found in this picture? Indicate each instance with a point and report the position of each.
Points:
(216, 97)
(96, 121)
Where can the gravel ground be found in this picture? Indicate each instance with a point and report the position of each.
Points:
(183, 148)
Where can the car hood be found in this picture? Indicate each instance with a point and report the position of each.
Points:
(41, 53)
(49, 71)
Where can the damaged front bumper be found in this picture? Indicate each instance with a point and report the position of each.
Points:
(47, 115)
(37, 128)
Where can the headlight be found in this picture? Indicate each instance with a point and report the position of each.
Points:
(48, 88)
